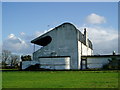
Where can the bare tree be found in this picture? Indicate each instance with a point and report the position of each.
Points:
(5, 56)
(9, 58)
(14, 60)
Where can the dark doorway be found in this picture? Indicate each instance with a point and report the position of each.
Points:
(84, 63)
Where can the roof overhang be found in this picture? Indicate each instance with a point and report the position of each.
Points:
(42, 41)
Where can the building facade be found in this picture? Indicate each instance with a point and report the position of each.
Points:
(100, 61)
(62, 48)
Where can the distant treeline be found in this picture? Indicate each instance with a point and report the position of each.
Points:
(10, 60)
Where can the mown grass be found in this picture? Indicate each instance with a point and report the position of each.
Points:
(60, 79)
(7, 69)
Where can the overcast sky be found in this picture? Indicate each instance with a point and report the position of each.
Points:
(23, 21)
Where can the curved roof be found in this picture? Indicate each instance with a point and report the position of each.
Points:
(43, 37)
(35, 41)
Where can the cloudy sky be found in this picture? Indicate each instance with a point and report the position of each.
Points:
(23, 21)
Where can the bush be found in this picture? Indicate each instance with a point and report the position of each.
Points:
(113, 64)
(26, 58)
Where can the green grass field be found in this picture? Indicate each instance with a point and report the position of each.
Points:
(60, 79)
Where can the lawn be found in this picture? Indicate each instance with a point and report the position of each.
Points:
(60, 79)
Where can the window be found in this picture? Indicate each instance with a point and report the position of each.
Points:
(45, 41)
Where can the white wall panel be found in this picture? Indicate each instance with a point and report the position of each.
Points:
(97, 62)
(55, 63)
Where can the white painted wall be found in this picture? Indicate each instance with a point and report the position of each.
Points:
(86, 50)
(26, 64)
(83, 50)
(79, 54)
(97, 62)
(89, 51)
(55, 63)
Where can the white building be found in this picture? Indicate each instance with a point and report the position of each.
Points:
(98, 61)
(65, 48)
(62, 48)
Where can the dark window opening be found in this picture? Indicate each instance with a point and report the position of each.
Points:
(44, 41)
